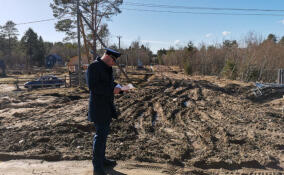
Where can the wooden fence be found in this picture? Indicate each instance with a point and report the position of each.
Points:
(35, 70)
(73, 79)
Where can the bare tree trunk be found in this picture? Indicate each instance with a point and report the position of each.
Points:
(94, 23)
(85, 40)
(261, 69)
(93, 26)
(247, 66)
(9, 45)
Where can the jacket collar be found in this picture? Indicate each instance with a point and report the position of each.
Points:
(104, 64)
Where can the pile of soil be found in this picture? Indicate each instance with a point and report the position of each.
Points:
(203, 123)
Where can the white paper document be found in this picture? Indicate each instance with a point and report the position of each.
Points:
(127, 87)
(118, 86)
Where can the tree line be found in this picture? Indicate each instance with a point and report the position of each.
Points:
(30, 49)
(255, 59)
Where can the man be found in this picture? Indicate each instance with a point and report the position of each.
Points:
(101, 107)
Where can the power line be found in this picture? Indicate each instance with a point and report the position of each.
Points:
(183, 12)
(31, 22)
(43, 20)
(205, 13)
(198, 8)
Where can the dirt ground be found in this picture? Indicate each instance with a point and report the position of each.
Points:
(188, 124)
(39, 167)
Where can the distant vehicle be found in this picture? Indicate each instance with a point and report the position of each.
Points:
(44, 81)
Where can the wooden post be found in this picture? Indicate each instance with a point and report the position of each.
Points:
(17, 84)
(280, 76)
(65, 79)
(126, 63)
(70, 80)
(79, 43)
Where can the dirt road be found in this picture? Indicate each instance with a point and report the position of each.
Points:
(39, 167)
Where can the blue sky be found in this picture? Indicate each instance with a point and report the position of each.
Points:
(159, 29)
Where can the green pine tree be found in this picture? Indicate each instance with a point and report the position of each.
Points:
(29, 43)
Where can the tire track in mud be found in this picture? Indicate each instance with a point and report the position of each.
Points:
(201, 131)
(187, 123)
(176, 112)
(212, 126)
(209, 123)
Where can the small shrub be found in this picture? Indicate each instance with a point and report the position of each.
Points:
(187, 68)
(253, 74)
(230, 70)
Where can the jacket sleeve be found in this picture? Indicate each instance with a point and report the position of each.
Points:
(95, 81)
(114, 84)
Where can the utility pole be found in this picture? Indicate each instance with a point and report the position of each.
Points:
(79, 44)
(126, 61)
(119, 41)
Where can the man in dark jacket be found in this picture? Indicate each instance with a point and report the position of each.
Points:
(101, 107)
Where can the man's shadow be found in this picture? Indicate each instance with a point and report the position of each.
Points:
(111, 171)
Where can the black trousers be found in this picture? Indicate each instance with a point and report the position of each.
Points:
(99, 145)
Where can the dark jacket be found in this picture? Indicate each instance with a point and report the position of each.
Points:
(101, 85)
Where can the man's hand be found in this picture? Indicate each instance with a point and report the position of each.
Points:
(116, 90)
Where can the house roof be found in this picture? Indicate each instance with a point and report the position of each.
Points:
(53, 57)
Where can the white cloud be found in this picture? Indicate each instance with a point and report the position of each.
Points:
(225, 33)
(282, 21)
(155, 42)
(208, 35)
(177, 42)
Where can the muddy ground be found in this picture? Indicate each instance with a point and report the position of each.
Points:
(197, 125)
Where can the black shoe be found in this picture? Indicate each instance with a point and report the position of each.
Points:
(109, 163)
(95, 172)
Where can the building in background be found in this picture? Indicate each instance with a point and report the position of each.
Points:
(53, 60)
